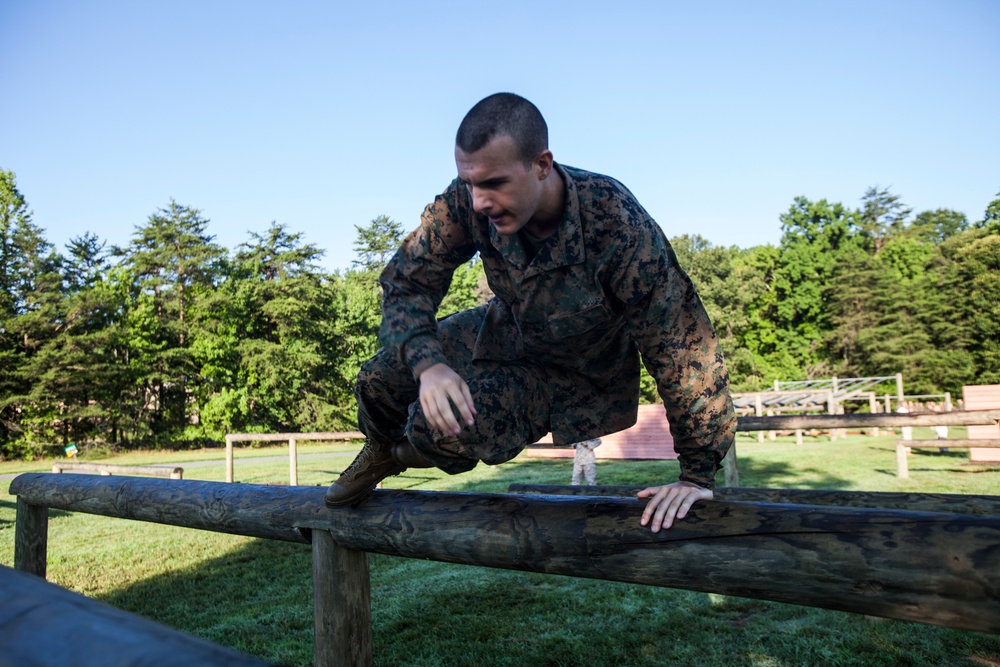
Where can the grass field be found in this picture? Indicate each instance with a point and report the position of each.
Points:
(256, 595)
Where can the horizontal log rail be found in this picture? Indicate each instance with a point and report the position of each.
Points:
(955, 444)
(930, 567)
(107, 469)
(292, 439)
(953, 503)
(44, 624)
(903, 448)
(867, 420)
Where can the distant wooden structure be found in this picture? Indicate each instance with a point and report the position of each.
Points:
(292, 439)
(173, 472)
(983, 397)
(648, 439)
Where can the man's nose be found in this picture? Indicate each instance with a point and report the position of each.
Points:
(480, 202)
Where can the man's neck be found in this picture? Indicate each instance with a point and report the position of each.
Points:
(551, 208)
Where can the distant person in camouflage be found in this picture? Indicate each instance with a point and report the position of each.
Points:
(585, 462)
(584, 282)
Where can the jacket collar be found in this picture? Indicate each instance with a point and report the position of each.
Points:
(563, 248)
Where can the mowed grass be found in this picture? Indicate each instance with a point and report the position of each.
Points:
(256, 595)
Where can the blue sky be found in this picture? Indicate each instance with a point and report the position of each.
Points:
(324, 115)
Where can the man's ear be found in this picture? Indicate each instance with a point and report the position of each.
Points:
(543, 164)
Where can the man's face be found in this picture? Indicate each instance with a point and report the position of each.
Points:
(501, 186)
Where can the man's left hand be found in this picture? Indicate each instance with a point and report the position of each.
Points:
(669, 502)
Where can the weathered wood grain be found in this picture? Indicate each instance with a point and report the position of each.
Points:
(936, 568)
(912, 502)
(31, 535)
(43, 625)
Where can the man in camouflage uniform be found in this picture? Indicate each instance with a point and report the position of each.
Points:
(584, 282)
(585, 462)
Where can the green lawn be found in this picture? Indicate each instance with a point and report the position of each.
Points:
(256, 595)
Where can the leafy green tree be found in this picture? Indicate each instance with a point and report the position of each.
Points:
(937, 225)
(176, 263)
(263, 356)
(816, 238)
(376, 243)
(882, 216)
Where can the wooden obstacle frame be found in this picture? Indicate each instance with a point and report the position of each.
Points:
(292, 439)
(937, 564)
(172, 472)
(903, 448)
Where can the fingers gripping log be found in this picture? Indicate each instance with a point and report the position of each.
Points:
(930, 567)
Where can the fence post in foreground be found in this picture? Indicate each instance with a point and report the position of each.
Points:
(342, 610)
(31, 538)
(731, 467)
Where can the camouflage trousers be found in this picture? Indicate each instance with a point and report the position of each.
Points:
(511, 400)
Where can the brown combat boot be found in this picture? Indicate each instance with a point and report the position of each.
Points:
(373, 464)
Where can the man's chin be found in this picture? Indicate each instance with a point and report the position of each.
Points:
(505, 226)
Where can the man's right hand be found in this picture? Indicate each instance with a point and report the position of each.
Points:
(440, 387)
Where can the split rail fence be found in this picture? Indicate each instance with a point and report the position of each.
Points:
(926, 558)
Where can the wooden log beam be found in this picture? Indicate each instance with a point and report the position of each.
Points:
(936, 568)
(912, 502)
(44, 625)
(792, 422)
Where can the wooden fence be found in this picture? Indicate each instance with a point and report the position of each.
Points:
(941, 568)
(292, 439)
(106, 469)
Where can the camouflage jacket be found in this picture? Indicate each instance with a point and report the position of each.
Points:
(603, 289)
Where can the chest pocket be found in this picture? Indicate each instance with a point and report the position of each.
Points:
(580, 322)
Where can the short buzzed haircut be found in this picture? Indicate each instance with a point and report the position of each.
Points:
(504, 114)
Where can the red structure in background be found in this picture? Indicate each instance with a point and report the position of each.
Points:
(649, 438)
(983, 397)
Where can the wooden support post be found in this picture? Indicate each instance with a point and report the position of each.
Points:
(229, 459)
(947, 401)
(902, 469)
(899, 388)
(342, 610)
(730, 468)
(831, 408)
(873, 408)
(758, 407)
(31, 538)
(798, 436)
(293, 463)
(771, 435)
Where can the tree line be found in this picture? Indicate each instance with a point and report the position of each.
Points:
(173, 340)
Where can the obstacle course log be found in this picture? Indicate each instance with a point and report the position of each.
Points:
(792, 422)
(42, 624)
(240, 509)
(936, 568)
(913, 502)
